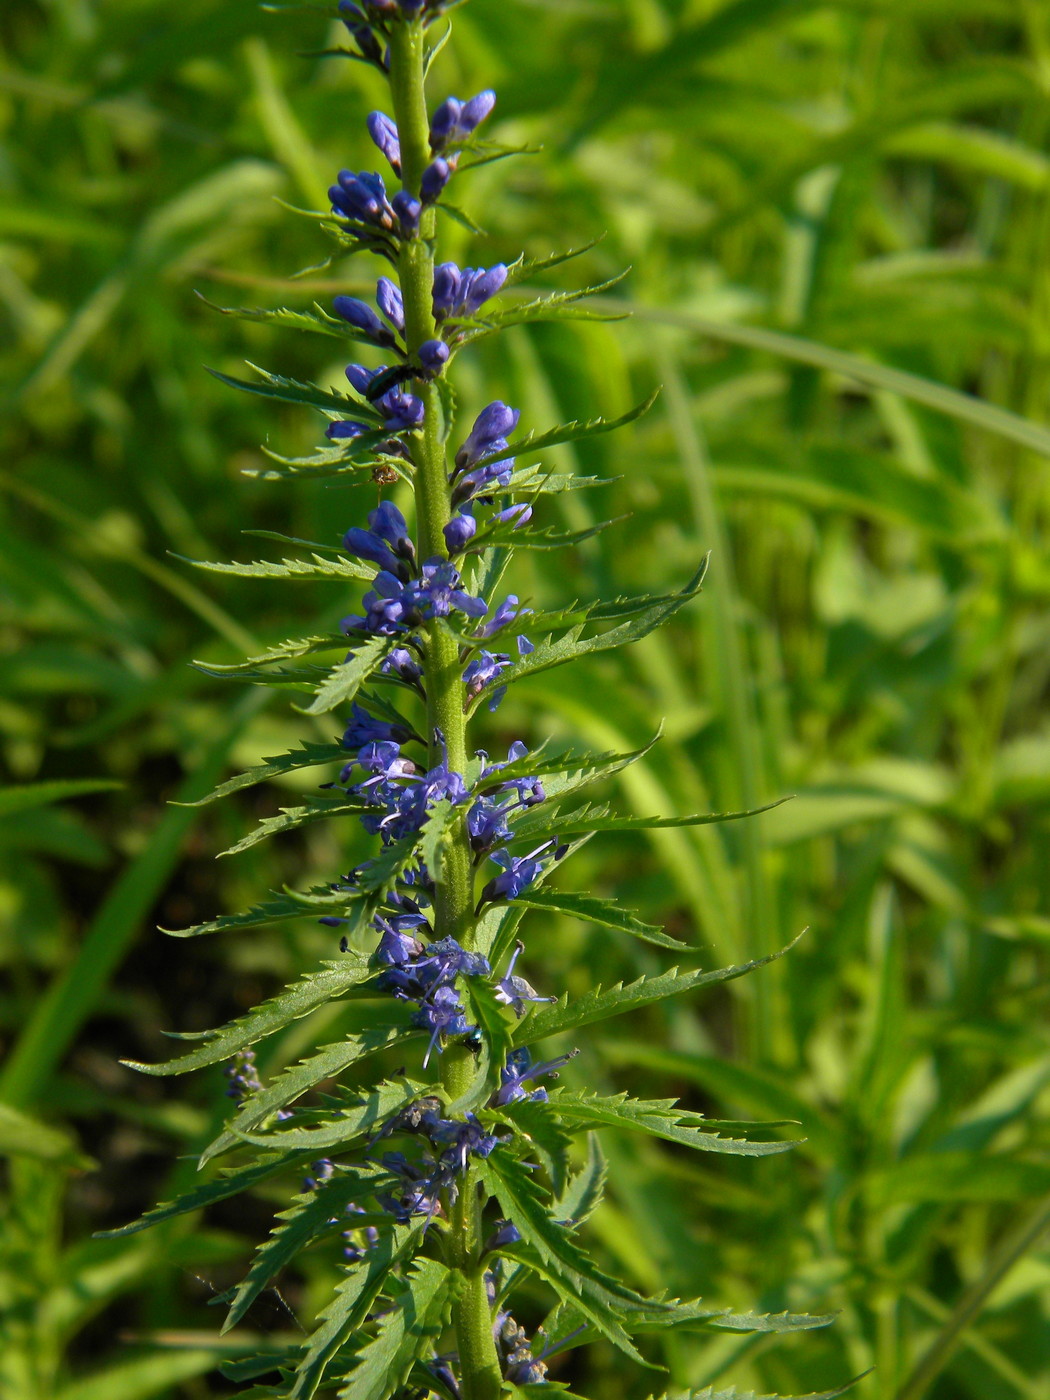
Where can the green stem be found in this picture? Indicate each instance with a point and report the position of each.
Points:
(480, 1372)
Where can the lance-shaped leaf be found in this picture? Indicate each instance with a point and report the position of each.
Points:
(310, 570)
(369, 1111)
(598, 1296)
(308, 1218)
(543, 483)
(346, 680)
(275, 386)
(523, 267)
(551, 653)
(290, 1005)
(534, 824)
(584, 1190)
(360, 454)
(600, 1003)
(658, 1117)
(283, 651)
(351, 1303)
(553, 306)
(327, 1063)
(568, 432)
(496, 1042)
(315, 809)
(710, 1393)
(307, 755)
(565, 773)
(293, 904)
(411, 1331)
(596, 911)
(318, 320)
(227, 1184)
(543, 1132)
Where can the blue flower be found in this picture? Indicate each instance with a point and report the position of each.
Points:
(385, 609)
(361, 198)
(486, 667)
(455, 121)
(487, 824)
(361, 316)
(390, 303)
(519, 872)
(434, 179)
(433, 356)
(366, 729)
(465, 1138)
(386, 542)
(403, 664)
(462, 292)
(514, 991)
(442, 1016)
(437, 592)
(384, 133)
(519, 1069)
(401, 411)
(459, 531)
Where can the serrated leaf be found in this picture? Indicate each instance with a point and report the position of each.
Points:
(275, 386)
(575, 1275)
(306, 570)
(327, 1063)
(290, 1005)
(549, 653)
(346, 680)
(410, 1331)
(657, 1117)
(552, 306)
(317, 320)
(543, 1131)
(534, 824)
(599, 1003)
(283, 651)
(315, 809)
(371, 1110)
(710, 1393)
(290, 905)
(435, 834)
(597, 911)
(228, 1183)
(585, 1188)
(491, 1016)
(307, 755)
(351, 1304)
(302, 1222)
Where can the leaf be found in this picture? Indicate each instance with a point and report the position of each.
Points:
(290, 905)
(315, 809)
(535, 824)
(370, 1110)
(596, 1295)
(568, 432)
(709, 1393)
(351, 1304)
(553, 306)
(303, 1221)
(27, 796)
(658, 1117)
(283, 651)
(228, 1183)
(141, 1378)
(549, 653)
(492, 1017)
(307, 570)
(317, 320)
(410, 1331)
(436, 833)
(584, 1190)
(307, 755)
(290, 1005)
(346, 680)
(599, 1004)
(327, 1063)
(275, 386)
(23, 1136)
(541, 1129)
(597, 911)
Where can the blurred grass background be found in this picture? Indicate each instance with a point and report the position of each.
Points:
(837, 219)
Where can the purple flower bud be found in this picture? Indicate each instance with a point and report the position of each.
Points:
(433, 355)
(447, 282)
(363, 318)
(361, 378)
(517, 515)
(476, 110)
(491, 426)
(459, 530)
(455, 121)
(384, 133)
(344, 429)
(408, 211)
(388, 299)
(434, 179)
(483, 284)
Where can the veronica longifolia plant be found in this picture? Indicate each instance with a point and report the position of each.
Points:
(450, 1184)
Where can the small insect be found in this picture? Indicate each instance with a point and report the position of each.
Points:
(383, 475)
